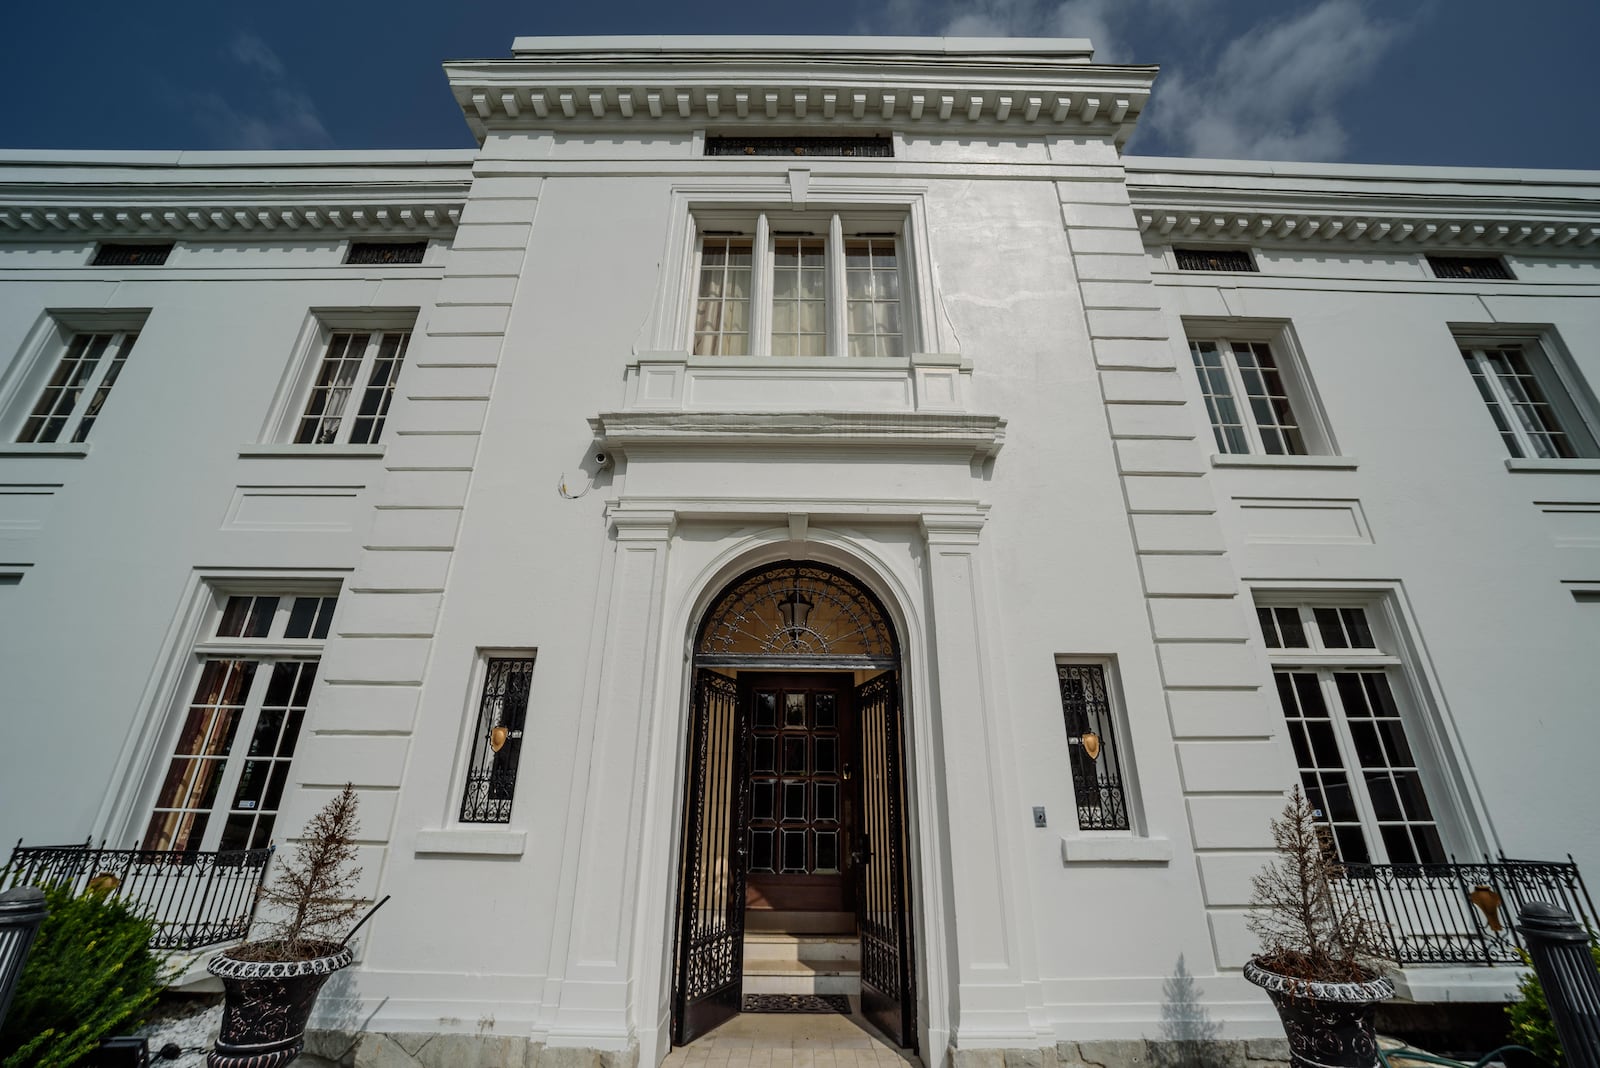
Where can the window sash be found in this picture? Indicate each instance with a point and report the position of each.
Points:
(799, 294)
(1348, 730)
(371, 357)
(1247, 398)
(227, 775)
(77, 390)
(1511, 384)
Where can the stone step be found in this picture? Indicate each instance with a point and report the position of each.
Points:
(788, 922)
(802, 977)
(766, 946)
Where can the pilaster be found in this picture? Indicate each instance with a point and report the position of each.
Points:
(988, 900)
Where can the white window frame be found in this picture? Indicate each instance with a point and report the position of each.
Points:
(290, 400)
(1428, 731)
(1571, 402)
(180, 687)
(24, 383)
(1279, 337)
(788, 195)
(764, 230)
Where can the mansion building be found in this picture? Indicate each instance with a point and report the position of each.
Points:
(792, 515)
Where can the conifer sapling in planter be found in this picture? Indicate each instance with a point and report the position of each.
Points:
(271, 983)
(1319, 959)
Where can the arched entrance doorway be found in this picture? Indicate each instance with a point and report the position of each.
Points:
(794, 811)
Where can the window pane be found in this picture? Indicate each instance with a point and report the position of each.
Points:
(103, 390)
(335, 379)
(62, 394)
(379, 394)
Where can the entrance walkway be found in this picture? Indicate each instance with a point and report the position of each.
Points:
(793, 1040)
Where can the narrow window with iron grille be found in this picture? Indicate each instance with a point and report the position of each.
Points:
(497, 741)
(1471, 268)
(386, 253)
(1215, 259)
(130, 254)
(1099, 782)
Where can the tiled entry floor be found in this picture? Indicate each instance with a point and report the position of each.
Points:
(793, 1040)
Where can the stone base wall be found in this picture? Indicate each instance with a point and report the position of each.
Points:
(377, 1049)
(1135, 1053)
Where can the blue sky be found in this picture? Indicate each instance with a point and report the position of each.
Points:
(1479, 82)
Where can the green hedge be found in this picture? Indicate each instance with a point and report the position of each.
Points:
(90, 974)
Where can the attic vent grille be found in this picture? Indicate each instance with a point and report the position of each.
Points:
(1215, 259)
(386, 252)
(1470, 267)
(863, 147)
(110, 254)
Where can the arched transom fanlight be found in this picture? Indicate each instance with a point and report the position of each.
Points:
(795, 611)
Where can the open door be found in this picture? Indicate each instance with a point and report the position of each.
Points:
(883, 902)
(711, 876)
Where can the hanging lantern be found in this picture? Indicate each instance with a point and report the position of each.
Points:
(1091, 744)
(497, 738)
(1488, 903)
(795, 609)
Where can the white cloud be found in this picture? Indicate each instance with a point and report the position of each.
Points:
(279, 113)
(1268, 91)
(1272, 92)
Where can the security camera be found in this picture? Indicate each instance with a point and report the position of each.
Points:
(602, 459)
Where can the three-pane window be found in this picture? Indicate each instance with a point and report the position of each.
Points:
(77, 390)
(225, 780)
(766, 292)
(1338, 689)
(353, 388)
(1527, 401)
(1247, 398)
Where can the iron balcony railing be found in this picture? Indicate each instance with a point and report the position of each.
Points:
(1459, 913)
(195, 899)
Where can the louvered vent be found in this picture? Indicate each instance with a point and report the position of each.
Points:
(386, 252)
(111, 254)
(1215, 259)
(1486, 268)
(863, 147)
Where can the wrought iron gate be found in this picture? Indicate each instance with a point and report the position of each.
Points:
(883, 901)
(710, 961)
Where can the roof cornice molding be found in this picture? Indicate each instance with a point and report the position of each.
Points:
(819, 91)
(1164, 218)
(219, 212)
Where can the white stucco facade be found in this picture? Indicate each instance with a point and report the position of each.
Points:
(1032, 480)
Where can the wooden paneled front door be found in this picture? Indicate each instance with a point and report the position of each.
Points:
(801, 752)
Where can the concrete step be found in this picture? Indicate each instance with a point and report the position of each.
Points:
(765, 946)
(778, 920)
(802, 977)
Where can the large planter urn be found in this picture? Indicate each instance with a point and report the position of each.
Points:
(266, 1005)
(1329, 1024)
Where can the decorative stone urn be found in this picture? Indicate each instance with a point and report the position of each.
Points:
(1329, 1024)
(266, 1005)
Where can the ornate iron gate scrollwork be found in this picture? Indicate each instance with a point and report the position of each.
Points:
(883, 902)
(710, 959)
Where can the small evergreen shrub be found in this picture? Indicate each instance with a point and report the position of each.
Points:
(90, 974)
(1531, 1024)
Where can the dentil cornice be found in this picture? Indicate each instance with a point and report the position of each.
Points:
(809, 85)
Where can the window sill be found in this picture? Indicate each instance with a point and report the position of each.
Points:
(1327, 463)
(1583, 465)
(311, 452)
(1092, 850)
(462, 842)
(53, 448)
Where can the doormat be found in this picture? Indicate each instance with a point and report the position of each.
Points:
(815, 1003)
